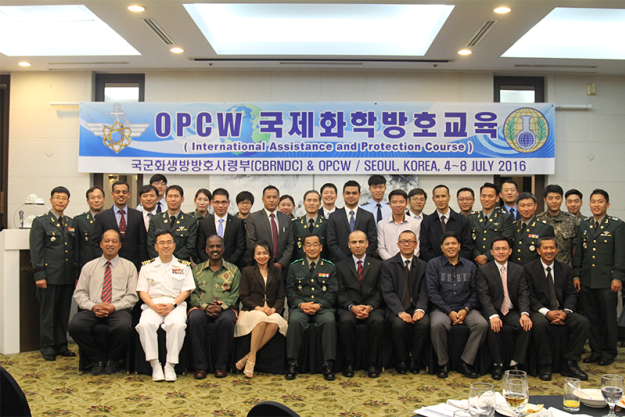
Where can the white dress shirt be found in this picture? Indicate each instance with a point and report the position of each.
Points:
(326, 213)
(388, 234)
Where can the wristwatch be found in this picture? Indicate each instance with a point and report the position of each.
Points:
(174, 304)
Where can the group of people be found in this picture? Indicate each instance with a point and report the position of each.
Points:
(384, 263)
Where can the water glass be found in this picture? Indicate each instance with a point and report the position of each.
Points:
(571, 394)
(612, 390)
(462, 413)
(482, 400)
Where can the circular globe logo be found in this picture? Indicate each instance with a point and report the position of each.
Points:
(250, 127)
(526, 130)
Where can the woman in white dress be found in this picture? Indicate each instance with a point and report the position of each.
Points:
(262, 295)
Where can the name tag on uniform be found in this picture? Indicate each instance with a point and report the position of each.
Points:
(177, 271)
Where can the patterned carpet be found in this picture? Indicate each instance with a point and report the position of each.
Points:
(56, 389)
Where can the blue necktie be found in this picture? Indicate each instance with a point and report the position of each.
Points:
(220, 229)
(352, 220)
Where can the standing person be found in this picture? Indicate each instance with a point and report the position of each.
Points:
(159, 181)
(509, 194)
(574, 201)
(54, 254)
(347, 219)
(417, 199)
(527, 230)
(183, 227)
(466, 199)
(202, 202)
(287, 205)
(273, 226)
(598, 270)
(148, 195)
(214, 300)
(443, 220)
(313, 222)
(164, 284)
(262, 297)
(504, 297)
(106, 293)
(564, 224)
(360, 301)
(245, 202)
(487, 224)
(452, 290)
(329, 194)
(377, 205)
(125, 220)
(390, 227)
(403, 284)
(84, 224)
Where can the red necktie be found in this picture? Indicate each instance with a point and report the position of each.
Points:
(360, 270)
(122, 223)
(274, 233)
(107, 285)
(505, 307)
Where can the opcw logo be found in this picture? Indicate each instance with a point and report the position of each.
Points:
(117, 135)
(526, 130)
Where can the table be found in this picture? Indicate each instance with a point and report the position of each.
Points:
(556, 401)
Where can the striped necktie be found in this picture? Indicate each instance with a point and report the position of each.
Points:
(107, 284)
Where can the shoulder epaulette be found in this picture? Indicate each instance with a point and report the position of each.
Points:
(182, 261)
(615, 218)
(148, 261)
(331, 263)
(296, 261)
(544, 221)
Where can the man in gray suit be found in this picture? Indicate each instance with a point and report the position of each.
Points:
(273, 226)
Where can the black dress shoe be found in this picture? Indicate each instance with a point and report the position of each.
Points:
(98, 368)
(112, 367)
(49, 357)
(497, 372)
(414, 368)
(443, 371)
(328, 373)
(401, 368)
(291, 371)
(571, 369)
(593, 358)
(373, 372)
(68, 354)
(348, 371)
(544, 373)
(605, 362)
(467, 370)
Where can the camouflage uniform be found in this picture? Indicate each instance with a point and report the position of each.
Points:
(565, 227)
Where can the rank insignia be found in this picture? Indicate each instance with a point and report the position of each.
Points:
(532, 248)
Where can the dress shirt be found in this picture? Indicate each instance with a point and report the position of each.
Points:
(508, 208)
(225, 218)
(275, 218)
(118, 215)
(326, 213)
(388, 234)
(372, 206)
(146, 218)
(221, 285)
(452, 287)
(88, 291)
(355, 210)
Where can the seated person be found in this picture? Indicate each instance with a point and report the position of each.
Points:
(404, 290)
(504, 296)
(106, 292)
(164, 284)
(452, 291)
(262, 296)
(214, 300)
(311, 289)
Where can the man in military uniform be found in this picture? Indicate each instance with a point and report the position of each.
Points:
(54, 255)
(598, 271)
(311, 290)
(564, 224)
(313, 222)
(182, 226)
(489, 223)
(84, 224)
(527, 230)
(573, 202)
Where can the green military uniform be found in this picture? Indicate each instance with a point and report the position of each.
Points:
(319, 286)
(599, 259)
(184, 231)
(483, 232)
(300, 231)
(565, 227)
(525, 240)
(53, 252)
(84, 224)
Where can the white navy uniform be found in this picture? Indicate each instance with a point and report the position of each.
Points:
(163, 283)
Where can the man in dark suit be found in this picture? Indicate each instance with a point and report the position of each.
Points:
(360, 301)
(404, 289)
(553, 299)
(84, 222)
(125, 220)
(503, 293)
(231, 228)
(344, 221)
(444, 219)
(273, 226)
(527, 230)
(509, 194)
(313, 222)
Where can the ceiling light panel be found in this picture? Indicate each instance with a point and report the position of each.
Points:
(69, 30)
(319, 29)
(574, 33)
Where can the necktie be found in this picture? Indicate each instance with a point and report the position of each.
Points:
(107, 284)
(512, 214)
(274, 235)
(524, 225)
(352, 221)
(505, 306)
(172, 219)
(379, 215)
(406, 299)
(552, 291)
(360, 270)
(220, 229)
(158, 208)
(444, 223)
(312, 267)
(311, 225)
(150, 216)
(61, 224)
(122, 223)
(485, 219)
(596, 225)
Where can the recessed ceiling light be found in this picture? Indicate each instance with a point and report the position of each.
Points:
(136, 8)
(502, 10)
(464, 52)
(24, 64)
(177, 50)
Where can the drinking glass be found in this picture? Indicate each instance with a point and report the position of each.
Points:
(514, 374)
(612, 390)
(516, 393)
(571, 394)
(482, 400)
(462, 413)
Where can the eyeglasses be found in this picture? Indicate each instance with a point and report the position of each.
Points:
(417, 199)
(221, 203)
(406, 242)
(165, 243)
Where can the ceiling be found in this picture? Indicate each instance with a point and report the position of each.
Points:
(466, 19)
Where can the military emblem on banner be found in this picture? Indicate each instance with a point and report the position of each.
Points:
(117, 135)
(526, 130)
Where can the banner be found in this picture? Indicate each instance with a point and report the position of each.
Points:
(318, 138)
